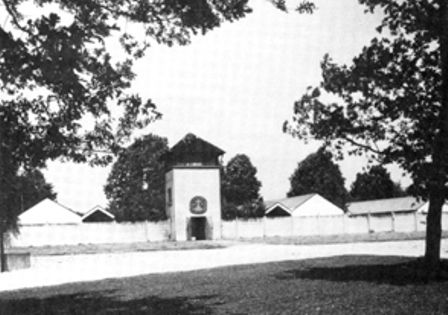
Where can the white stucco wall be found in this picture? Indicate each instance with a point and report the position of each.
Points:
(315, 206)
(187, 183)
(90, 233)
(112, 232)
(169, 190)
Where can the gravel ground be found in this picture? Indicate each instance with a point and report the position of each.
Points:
(54, 270)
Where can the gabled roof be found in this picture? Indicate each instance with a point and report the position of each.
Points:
(191, 144)
(401, 204)
(277, 205)
(289, 204)
(96, 209)
(49, 212)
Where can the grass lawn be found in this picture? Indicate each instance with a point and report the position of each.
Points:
(335, 285)
(168, 245)
(346, 238)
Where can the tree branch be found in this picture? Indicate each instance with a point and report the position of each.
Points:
(14, 16)
(364, 146)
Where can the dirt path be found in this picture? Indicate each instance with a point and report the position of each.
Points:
(53, 270)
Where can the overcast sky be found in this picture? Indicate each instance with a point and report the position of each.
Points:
(235, 87)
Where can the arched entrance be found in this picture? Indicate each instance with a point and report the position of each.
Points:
(198, 228)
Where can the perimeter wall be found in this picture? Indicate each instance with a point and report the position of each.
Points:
(97, 233)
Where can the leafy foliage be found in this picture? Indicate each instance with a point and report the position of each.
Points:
(392, 102)
(136, 185)
(26, 190)
(375, 184)
(249, 209)
(240, 189)
(31, 188)
(240, 183)
(303, 7)
(317, 173)
(56, 69)
(389, 97)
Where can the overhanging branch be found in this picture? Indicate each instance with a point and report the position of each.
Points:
(364, 146)
(14, 16)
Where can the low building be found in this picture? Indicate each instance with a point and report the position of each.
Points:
(49, 212)
(406, 204)
(299, 206)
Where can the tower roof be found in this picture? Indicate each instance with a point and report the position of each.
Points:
(191, 149)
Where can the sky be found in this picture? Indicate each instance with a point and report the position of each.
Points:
(234, 87)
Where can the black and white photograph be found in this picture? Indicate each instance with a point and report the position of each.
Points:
(223, 157)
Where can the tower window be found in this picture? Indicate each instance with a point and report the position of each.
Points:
(169, 197)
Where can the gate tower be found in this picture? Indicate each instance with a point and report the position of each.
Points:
(193, 189)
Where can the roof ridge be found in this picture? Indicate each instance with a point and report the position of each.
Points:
(101, 209)
(382, 199)
(191, 136)
(65, 207)
(283, 201)
(308, 197)
(285, 198)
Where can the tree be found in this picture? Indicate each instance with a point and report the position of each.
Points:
(136, 185)
(27, 189)
(375, 184)
(317, 173)
(240, 189)
(392, 103)
(56, 72)
(24, 191)
(249, 209)
(31, 188)
(399, 191)
(240, 183)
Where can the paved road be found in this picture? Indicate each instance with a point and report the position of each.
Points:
(53, 270)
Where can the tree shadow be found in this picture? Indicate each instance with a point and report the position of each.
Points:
(104, 302)
(399, 271)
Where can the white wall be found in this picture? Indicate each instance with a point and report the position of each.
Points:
(169, 204)
(403, 221)
(317, 206)
(325, 225)
(282, 226)
(91, 233)
(356, 225)
(381, 223)
(112, 232)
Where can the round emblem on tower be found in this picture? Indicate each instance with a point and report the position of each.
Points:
(198, 205)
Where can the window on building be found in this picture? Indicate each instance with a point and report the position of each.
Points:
(169, 197)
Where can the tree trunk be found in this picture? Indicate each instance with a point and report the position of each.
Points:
(3, 267)
(433, 233)
(2, 201)
(439, 157)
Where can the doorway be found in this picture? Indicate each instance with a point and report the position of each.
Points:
(198, 227)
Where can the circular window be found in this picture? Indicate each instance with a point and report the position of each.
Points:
(198, 205)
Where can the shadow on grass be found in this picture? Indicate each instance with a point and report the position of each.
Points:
(102, 303)
(398, 271)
